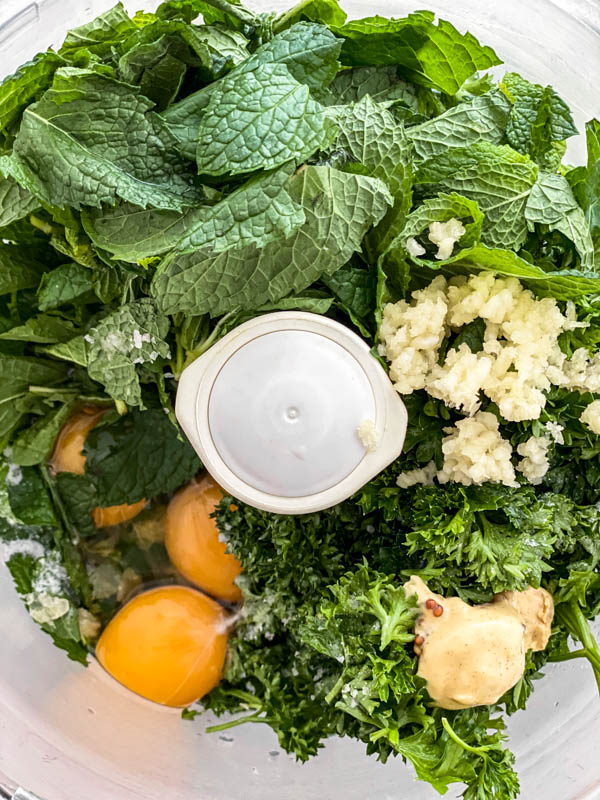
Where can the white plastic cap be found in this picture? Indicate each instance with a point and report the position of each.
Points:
(273, 409)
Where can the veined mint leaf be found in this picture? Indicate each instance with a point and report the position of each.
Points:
(553, 203)
(562, 284)
(17, 270)
(101, 34)
(103, 136)
(258, 212)
(539, 118)
(41, 330)
(20, 372)
(354, 289)
(327, 12)
(24, 87)
(441, 209)
(15, 201)
(501, 190)
(139, 455)
(585, 181)
(134, 334)
(259, 120)
(226, 46)
(482, 119)
(442, 166)
(381, 83)
(339, 208)
(372, 137)
(156, 57)
(65, 284)
(437, 56)
(74, 350)
(309, 51)
(35, 444)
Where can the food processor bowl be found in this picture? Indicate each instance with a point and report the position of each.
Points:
(67, 732)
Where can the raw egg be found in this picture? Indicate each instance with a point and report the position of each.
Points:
(192, 540)
(68, 456)
(167, 645)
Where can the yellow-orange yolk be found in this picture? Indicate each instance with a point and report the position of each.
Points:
(192, 540)
(167, 645)
(68, 456)
(68, 449)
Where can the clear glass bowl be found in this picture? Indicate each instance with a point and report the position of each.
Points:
(67, 732)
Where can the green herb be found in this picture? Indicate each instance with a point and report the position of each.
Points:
(167, 177)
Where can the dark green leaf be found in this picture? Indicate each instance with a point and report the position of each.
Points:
(437, 56)
(339, 209)
(69, 283)
(73, 125)
(139, 455)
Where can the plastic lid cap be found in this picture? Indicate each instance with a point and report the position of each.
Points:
(284, 410)
(273, 409)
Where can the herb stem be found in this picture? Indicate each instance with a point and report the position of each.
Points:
(57, 500)
(575, 622)
(455, 737)
(51, 390)
(331, 695)
(235, 722)
(284, 21)
(208, 342)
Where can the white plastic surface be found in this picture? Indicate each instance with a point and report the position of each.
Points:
(273, 409)
(284, 413)
(67, 734)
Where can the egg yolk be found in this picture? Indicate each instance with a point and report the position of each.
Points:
(192, 540)
(68, 457)
(167, 645)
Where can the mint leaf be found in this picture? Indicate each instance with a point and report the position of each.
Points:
(562, 284)
(139, 455)
(442, 208)
(157, 56)
(79, 497)
(477, 156)
(339, 209)
(326, 11)
(482, 119)
(100, 35)
(15, 202)
(19, 372)
(18, 270)
(227, 47)
(552, 203)
(41, 329)
(501, 191)
(539, 117)
(66, 284)
(104, 136)
(24, 87)
(381, 83)
(35, 444)
(132, 335)
(585, 181)
(309, 51)
(74, 350)
(372, 137)
(258, 212)
(436, 56)
(259, 120)
(354, 289)
(158, 68)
